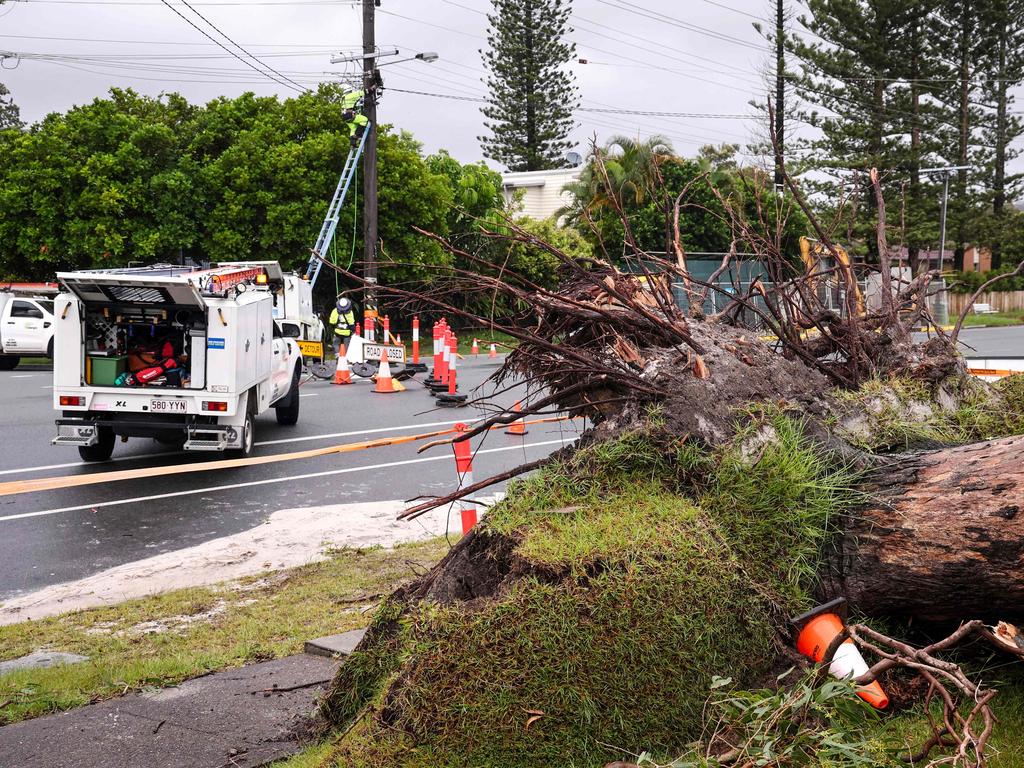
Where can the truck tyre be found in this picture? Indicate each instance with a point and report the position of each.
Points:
(103, 449)
(288, 412)
(248, 434)
(9, 362)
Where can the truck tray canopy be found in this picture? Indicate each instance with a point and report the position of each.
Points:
(147, 288)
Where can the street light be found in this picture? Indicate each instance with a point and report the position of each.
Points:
(945, 171)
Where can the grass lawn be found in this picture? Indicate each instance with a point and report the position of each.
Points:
(998, 320)
(162, 640)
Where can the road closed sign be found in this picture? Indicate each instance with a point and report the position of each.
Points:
(372, 352)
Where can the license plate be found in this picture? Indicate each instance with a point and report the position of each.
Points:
(168, 406)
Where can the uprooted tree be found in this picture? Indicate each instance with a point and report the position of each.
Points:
(731, 478)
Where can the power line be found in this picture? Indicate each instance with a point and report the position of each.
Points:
(214, 40)
(243, 50)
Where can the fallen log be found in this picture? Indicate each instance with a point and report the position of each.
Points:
(941, 538)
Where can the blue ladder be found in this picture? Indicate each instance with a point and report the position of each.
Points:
(326, 236)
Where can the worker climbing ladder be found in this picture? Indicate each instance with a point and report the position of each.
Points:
(326, 236)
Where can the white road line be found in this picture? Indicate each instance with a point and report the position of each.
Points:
(291, 478)
(23, 376)
(265, 442)
(311, 394)
(363, 432)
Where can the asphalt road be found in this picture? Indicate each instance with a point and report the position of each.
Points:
(55, 536)
(993, 342)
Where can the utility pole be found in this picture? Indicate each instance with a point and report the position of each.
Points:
(780, 93)
(945, 172)
(370, 80)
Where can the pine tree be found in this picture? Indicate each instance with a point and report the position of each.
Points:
(532, 96)
(10, 117)
(866, 70)
(1002, 24)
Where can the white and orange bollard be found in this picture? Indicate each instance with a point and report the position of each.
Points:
(452, 398)
(416, 366)
(817, 629)
(441, 374)
(368, 325)
(387, 329)
(464, 468)
(493, 351)
(475, 351)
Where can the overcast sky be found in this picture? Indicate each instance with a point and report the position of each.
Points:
(689, 56)
(634, 61)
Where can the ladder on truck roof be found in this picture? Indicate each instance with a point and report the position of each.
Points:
(326, 236)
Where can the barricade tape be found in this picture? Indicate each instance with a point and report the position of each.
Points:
(14, 487)
(998, 372)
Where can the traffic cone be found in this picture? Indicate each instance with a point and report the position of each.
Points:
(476, 348)
(385, 385)
(342, 374)
(817, 629)
(494, 350)
(464, 469)
(517, 427)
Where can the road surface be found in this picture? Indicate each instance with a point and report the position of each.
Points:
(55, 536)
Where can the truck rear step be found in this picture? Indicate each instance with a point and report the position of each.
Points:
(82, 435)
(206, 439)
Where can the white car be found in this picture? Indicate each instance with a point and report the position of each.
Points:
(26, 328)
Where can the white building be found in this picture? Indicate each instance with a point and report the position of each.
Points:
(543, 193)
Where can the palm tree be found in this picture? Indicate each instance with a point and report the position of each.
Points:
(632, 171)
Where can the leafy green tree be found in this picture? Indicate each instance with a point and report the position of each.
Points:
(477, 191)
(10, 116)
(532, 96)
(130, 178)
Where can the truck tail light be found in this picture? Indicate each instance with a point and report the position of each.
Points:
(71, 400)
(215, 405)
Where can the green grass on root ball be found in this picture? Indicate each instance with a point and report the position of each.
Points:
(640, 587)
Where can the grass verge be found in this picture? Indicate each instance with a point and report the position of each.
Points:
(162, 640)
(635, 571)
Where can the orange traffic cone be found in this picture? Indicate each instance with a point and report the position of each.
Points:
(385, 386)
(476, 347)
(517, 427)
(494, 351)
(342, 374)
(817, 630)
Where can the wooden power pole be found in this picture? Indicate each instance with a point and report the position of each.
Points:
(370, 81)
(780, 93)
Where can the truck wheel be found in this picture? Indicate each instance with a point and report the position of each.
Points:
(248, 438)
(9, 362)
(102, 450)
(49, 349)
(288, 414)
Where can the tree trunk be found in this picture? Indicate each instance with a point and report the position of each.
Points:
(942, 539)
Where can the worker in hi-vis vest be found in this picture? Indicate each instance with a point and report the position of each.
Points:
(343, 321)
(351, 102)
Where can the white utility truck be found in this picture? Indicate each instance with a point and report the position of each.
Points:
(187, 356)
(26, 323)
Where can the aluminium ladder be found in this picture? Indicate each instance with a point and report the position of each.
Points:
(326, 236)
